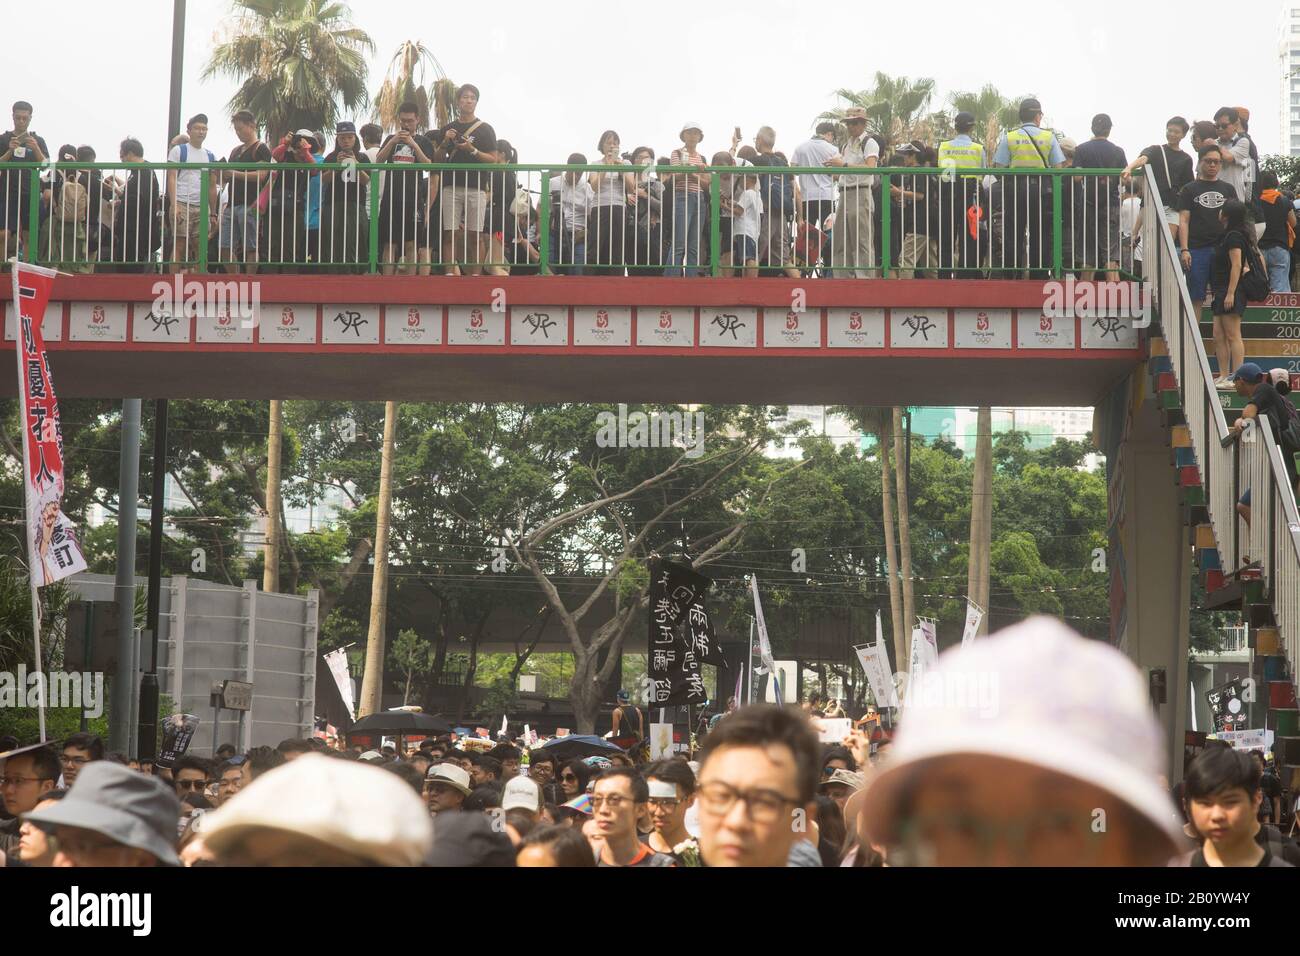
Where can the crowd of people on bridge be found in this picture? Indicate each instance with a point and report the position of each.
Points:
(1009, 752)
(267, 209)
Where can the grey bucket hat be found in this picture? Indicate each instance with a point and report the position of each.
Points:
(121, 804)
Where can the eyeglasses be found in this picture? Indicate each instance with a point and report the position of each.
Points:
(761, 806)
(569, 776)
(665, 803)
(1223, 125)
(613, 801)
(19, 781)
(74, 761)
(1212, 162)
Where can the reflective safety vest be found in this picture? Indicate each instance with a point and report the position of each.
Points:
(1029, 149)
(970, 156)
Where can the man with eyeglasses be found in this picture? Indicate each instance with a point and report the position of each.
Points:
(1238, 169)
(25, 778)
(79, 750)
(619, 799)
(230, 780)
(1199, 229)
(672, 793)
(190, 774)
(757, 786)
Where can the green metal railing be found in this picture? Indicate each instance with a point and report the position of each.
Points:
(1026, 222)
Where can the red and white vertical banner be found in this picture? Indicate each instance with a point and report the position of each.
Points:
(52, 548)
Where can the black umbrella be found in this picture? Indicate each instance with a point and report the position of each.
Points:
(579, 745)
(391, 723)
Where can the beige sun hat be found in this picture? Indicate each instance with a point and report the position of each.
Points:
(1060, 701)
(352, 806)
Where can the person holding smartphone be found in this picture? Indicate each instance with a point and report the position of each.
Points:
(344, 223)
(18, 145)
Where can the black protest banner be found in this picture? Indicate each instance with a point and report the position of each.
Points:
(178, 731)
(677, 597)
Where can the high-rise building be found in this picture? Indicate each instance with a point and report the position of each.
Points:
(1288, 53)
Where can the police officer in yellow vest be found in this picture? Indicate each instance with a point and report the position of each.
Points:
(961, 206)
(1026, 201)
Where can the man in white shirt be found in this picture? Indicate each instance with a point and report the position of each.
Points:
(572, 199)
(184, 189)
(818, 190)
(853, 238)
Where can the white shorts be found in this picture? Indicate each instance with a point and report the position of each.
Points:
(1171, 216)
(463, 206)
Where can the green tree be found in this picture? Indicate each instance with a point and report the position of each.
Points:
(405, 81)
(298, 62)
(993, 112)
(896, 107)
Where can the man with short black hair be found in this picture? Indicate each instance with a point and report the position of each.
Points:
(1025, 201)
(509, 757)
(1199, 228)
(19, 145)
(758, 768)
(485, 770)
(467, 139)
(240, 226)
(293, 748)
(617, 802)
(190, 774)
(184, 190)
(257, 762)
(1238, 170)
(1171, 167)
(1097, 239)
(79, 750)
(229, 781)
(1222, 796)
(399, 207)
(671, 785)
(34, 846)
(817, 190)
(25, 779)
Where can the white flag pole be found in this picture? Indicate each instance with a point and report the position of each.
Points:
(27, 501)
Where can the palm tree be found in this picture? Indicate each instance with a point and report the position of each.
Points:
(993, 112)
(299, 62)
(896, 106)
(405, 81)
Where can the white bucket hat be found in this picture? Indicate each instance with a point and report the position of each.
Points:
(358, 808)
(1060, 701)
(451, 775)
(690, 124)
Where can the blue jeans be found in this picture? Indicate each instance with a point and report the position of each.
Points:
(688, 212)
(1278, 260)
(1198, 274)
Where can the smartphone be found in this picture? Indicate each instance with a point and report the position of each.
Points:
(737, 134)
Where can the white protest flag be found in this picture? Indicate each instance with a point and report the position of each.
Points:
(764, 646)
(974, 614)
(52, 547)
(882, 658)
(869, 658)
(337, 662)
(505, 726)
(931, 640)
(919, 660)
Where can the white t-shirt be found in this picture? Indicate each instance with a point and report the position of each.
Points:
(751, 213)
(815, 152)
(575, 201)
(372, 154)
(610, 190)
(189, 182)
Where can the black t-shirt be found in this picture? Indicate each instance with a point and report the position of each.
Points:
(1204, 199)
(484, 139)
(1100, 154)
(19, 181)
(344, 187)
(1178, 175)
(245, 191)
(404, 187)
(1221, 267)
(1269, 403)
(1271, 787)
(1275, 215)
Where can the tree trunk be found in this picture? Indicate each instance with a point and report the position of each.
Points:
(372, 683)
(584, 693)
(472, 667)
(904, 526)
(271, 551)
(981, 517)
(891, 548)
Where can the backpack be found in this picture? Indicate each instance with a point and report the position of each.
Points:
(72, 204)
(1289, 437)
(185, 152)
(1254, 274)
(781, 191)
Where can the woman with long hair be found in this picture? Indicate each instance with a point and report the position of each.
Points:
(1226, 269)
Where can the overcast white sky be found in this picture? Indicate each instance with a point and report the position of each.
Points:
(552, 86)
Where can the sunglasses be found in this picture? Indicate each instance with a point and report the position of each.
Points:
(191, 785)
(1223, 125)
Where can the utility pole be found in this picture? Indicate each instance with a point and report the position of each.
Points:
(981, 516)
(147, 733)
(372, 681)
(128, 491)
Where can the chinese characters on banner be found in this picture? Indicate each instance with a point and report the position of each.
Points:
(51, 538)
(974, 614)
(681, 635)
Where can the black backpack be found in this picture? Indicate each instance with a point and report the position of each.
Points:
(1254, 274)
(1289, 435)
